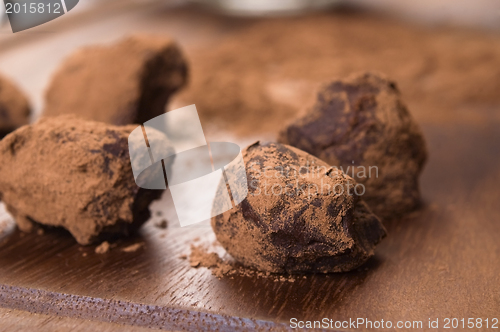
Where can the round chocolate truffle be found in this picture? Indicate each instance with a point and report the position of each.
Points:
(300, 215)
(67, 172)
(361, 125)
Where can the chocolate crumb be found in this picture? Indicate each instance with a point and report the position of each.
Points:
(197, 256)
(133, 247)
(201, 257)
(162, 224)
(102, 248)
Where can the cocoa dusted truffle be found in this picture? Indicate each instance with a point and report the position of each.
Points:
(127, 82)
(14, 107)
(300, 215)
(66, 172)
(361, 125)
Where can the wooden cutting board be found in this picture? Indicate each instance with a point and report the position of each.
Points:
(440, 262)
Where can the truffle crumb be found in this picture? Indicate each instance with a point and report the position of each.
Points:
(198, 256)
(201, 257)
(133, 247)
(102, 248)
(162, 224)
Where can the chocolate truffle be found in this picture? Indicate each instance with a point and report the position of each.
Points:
(300, 215)
(66, 172)
(127, 82)
(14, 107)
(361, 125)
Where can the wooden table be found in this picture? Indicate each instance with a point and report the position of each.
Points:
(440, 262)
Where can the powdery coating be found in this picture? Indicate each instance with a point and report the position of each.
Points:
(301, 230)
(75, 174)
(14, 107)
(361, 122)
(127, 82)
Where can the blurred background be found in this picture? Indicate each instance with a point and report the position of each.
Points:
(255, 65)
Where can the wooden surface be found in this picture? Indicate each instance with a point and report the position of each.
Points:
(442, 261)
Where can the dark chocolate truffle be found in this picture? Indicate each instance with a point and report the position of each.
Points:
(14, 107)
(300, 215)
(63, 171)
(361, 125)
(127, 82)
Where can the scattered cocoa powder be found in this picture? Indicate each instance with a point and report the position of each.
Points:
(198, 256)
(127, 82)
(201, 256)
(361, 125)
(14, 107)
(102, 248)
(133, 247)
(300, 215)
(66, 172)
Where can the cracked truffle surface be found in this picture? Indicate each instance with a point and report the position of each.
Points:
(66, 172)
(314, 225)
(361, 125)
